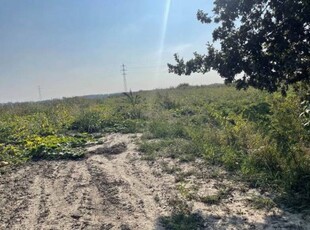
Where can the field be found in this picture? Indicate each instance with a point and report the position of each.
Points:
(190, 157)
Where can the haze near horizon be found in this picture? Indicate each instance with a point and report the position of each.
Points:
(72, 48)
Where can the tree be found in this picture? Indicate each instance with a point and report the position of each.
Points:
(259, 43)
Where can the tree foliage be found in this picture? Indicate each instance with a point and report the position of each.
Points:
(259, 43)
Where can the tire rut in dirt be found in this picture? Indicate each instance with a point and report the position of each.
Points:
(39, 210)
(108, 187)
(43, 209)
(14, 187)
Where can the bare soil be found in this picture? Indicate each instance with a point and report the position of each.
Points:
(114, 189)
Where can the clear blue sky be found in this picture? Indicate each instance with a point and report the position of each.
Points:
(76, 47)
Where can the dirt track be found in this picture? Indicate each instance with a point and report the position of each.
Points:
(114, 189)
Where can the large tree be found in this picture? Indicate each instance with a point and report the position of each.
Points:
(259, 43)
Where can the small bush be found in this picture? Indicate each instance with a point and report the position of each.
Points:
(153, 149)
(183, 86)
(121, 126)
(166, 102)
(89, 121)
(160, 129)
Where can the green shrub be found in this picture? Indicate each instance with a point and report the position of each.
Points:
(166, 102)
(183, 86)
(154, 148)
(89, 121)
(161, 129)
(54, 147)
(12, 154)
(121, 126)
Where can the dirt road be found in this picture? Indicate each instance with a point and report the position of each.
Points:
(114, 189)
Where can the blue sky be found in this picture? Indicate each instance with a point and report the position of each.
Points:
(76, 47)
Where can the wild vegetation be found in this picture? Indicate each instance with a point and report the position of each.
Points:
(257, 136)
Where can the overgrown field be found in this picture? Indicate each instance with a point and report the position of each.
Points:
(257, 136)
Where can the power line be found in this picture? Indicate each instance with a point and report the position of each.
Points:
(124, 77)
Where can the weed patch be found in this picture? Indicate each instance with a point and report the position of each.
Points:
(259, 202)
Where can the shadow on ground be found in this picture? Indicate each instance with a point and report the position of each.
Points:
(197, 221)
